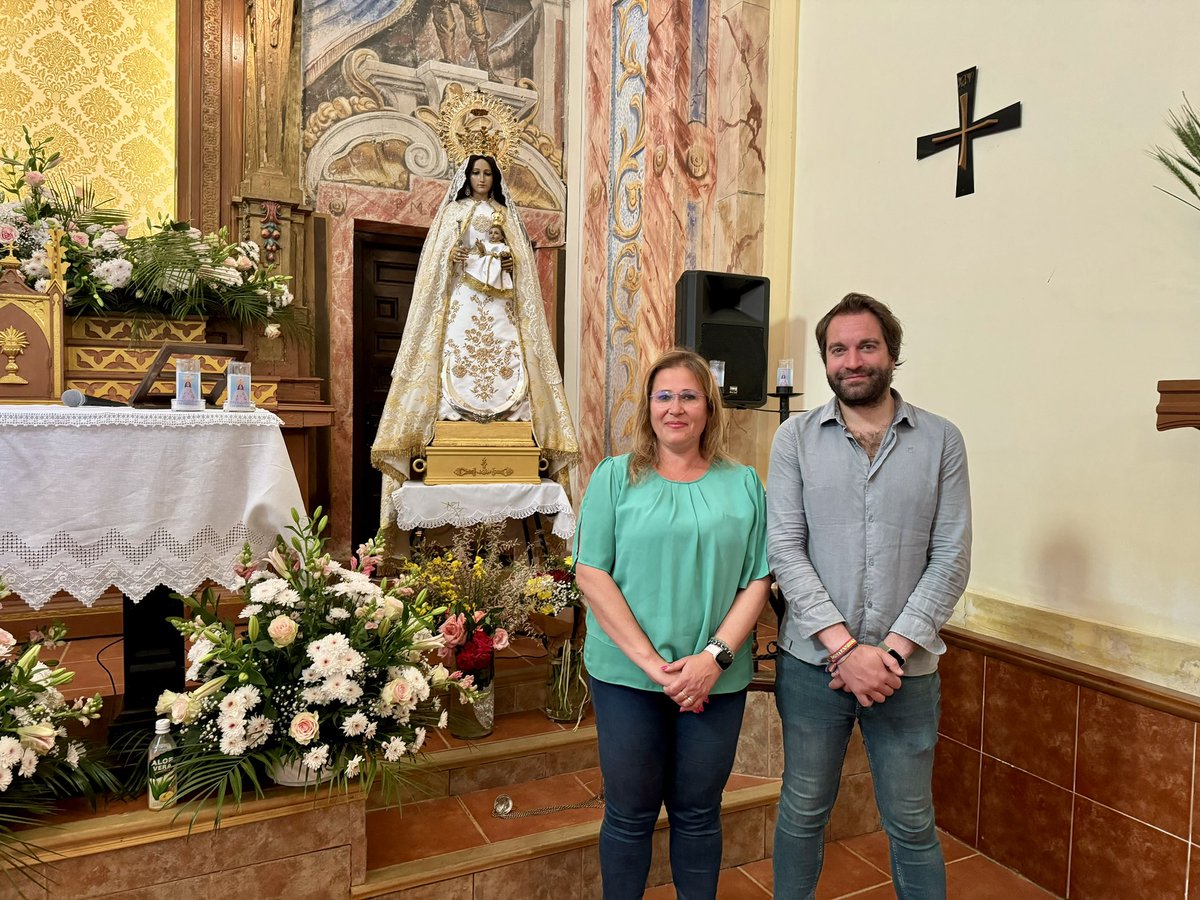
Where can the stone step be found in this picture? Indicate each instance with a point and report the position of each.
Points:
(452, 847)
(525, 746)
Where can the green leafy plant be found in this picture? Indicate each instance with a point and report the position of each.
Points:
(1185, 164)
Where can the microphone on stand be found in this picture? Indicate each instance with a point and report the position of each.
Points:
(75, 398)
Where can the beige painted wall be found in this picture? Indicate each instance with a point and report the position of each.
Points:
(1040, 311)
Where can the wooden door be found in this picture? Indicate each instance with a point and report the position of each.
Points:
(385, 266)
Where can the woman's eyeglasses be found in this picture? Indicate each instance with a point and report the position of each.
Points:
(685, 397)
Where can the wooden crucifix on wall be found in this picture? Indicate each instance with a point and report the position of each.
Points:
(967, 130)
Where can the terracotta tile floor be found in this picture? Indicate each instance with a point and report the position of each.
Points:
(852, 870)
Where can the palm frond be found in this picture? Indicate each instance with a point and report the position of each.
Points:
(1185, 126)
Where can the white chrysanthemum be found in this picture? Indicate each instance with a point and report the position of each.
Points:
(418, 739)
(252, 610)
(315, 695)
(351, 692)
(74, 754)
(358, 590)
(233, 744)
(5, 777)
(42, 285)
(196, 653)
(35, 266)
(327, 652)
(393, 750)
(371, 729)
(108, 242)
(267, 590)
(353, 765)
(444, 719)
(355, 725)
(317, 757)
(258, 729)
(115, 272)
(337, 614)
(248, 696)
(29, 761)
(232, 707)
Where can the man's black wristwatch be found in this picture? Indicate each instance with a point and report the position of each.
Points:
(720, 652)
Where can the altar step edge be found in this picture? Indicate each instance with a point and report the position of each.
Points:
(447, 872)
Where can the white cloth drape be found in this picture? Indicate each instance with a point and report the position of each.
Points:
(430, 505)
(98, 497)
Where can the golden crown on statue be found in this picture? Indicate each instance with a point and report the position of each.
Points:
(477, 124)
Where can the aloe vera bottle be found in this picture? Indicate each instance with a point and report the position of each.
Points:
(162, 766)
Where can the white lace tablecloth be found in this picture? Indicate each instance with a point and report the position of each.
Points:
(421, 505)
(98, 497)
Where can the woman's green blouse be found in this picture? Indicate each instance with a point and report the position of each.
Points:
(679, 552)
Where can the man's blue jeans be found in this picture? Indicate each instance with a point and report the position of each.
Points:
(651, 753)
(899, 735)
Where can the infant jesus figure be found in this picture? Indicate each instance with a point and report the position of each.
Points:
(487, 266)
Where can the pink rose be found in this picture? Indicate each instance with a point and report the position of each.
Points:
(120, 230)
(500, 639)
(282, 631)
(479, 614)
(35, 179)
(7, 643)
(8, 234)
(454, 630)
(79, 238)
(397, 692)
(304, 727)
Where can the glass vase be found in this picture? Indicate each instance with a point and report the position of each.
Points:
(471, 721)
(567, 681)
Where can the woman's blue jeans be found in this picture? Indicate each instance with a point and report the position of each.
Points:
(899, 735)
(651, 753)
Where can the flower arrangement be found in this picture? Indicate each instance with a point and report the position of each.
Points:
(473, 583)
(481, 606)
(173, 271)
(555, 606)
(550, 589)
(331, 670)
(39, 763)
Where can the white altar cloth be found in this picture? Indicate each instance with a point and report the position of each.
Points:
(97, 497)
(421, 505)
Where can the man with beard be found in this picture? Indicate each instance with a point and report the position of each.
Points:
(869, 539)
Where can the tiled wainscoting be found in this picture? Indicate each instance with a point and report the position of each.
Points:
(1081, 780)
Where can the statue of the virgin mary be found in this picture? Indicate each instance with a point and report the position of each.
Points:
(473, 349)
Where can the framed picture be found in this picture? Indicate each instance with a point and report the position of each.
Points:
(146, 395)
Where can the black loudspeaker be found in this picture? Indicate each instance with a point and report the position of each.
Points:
(725, 316)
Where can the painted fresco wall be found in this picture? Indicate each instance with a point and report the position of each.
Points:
(375, 72)
(674, 176)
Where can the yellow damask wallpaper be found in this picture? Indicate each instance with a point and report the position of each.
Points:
(99, 77)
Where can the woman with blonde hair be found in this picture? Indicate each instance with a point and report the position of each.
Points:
(671, 557)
